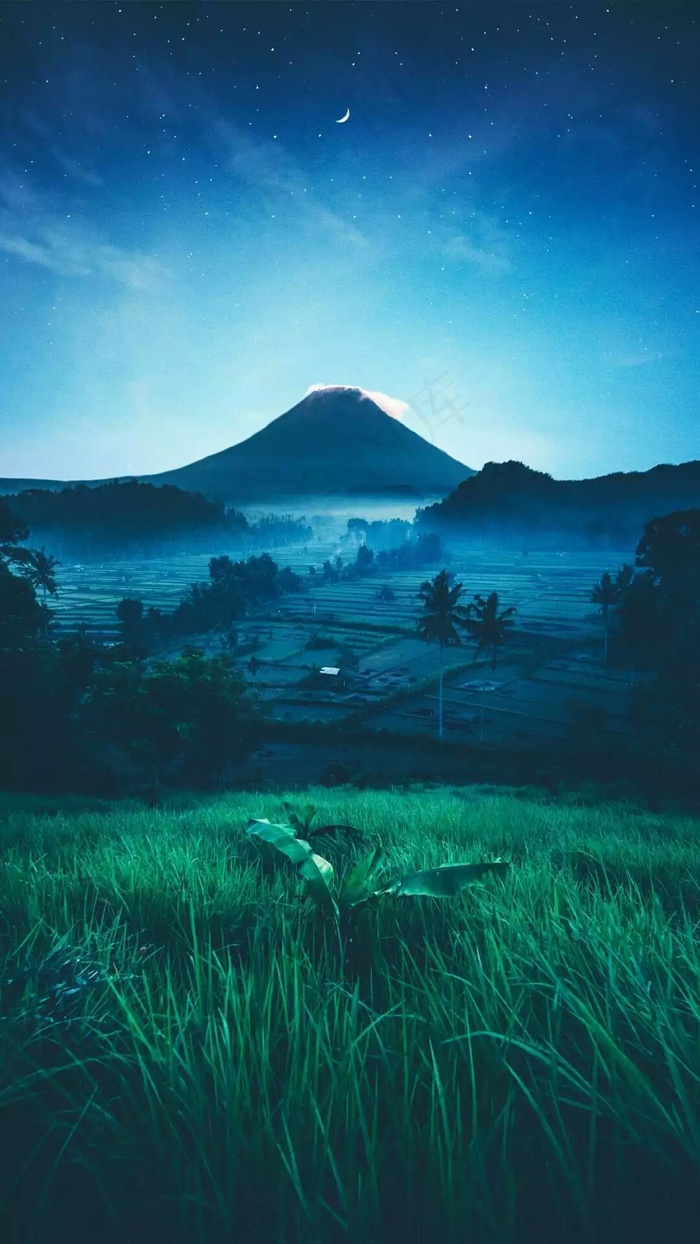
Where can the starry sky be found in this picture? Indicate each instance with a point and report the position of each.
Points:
(502, 241)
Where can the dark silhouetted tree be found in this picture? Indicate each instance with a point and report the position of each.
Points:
(442, 615)
(364, 560)
(606, 594)
(40, 569)
(489, 627)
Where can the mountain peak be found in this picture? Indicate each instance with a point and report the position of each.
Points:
(337, 441)
(317, 392)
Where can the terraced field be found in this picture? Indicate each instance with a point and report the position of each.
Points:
(90, 593)
(553, 660)
(552, 672)
(550, 591)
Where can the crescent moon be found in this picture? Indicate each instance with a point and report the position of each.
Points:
(341, 119)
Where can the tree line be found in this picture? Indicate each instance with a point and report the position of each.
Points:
(133, 517)
(508, 503)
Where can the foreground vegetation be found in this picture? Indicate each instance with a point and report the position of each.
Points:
(193, 1050)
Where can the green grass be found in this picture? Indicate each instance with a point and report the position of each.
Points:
(521, 1063)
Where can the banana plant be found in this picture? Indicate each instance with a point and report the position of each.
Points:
(316, 872)
(301, 822)
(363, 882)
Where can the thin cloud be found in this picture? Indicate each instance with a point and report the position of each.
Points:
(32, 229)
(480, 242)
(268, 168)
(393, 406)
(76, 168)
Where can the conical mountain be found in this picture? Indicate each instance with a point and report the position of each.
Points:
(336, 442)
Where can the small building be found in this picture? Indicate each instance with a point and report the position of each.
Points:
(336, 677)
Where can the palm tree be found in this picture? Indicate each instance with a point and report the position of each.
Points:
(41, 571)
(489, 628)
(442, 614)
(606, 594)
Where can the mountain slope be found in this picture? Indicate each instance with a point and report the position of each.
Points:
(336, 442)
(508, 501)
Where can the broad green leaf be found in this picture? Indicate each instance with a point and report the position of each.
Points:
(318, 875)
(259, 828)
(316, 871)
(444, 882)
(356, 887)
(283, 838)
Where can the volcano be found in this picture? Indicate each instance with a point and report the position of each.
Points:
(335, 443)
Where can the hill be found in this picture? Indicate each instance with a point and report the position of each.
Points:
(507, 501)
(123, 518)
(335, 443)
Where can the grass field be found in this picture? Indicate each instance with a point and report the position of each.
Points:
(205, 1059)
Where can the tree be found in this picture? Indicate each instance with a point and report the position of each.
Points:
(131, 625)
(670, 548)
(442, 614)
(357, 529)
(489, 627)
(364, 560)
(635, 631)
(347, 659)
(187, 719)
(221, 569)
(40, 569)
(22, 618)
(289, 581)
(77, 658)
(606, 595)
(12, 532)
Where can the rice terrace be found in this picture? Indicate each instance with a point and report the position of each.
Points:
(349, 623)
(551, 673)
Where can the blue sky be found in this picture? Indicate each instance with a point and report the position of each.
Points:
(503, 238)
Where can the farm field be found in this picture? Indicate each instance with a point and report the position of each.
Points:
(192, 1051)
(89, 593)
(549, 590)
(552, 660)
(516, 710)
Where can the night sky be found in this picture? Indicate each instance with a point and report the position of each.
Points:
(504, 237)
